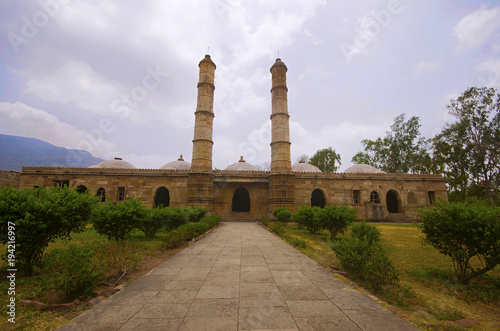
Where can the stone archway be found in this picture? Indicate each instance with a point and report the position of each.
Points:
(162, 197)
(392, 202)
(241, 200)
(81, 189)
(318, 198)
(101, 193)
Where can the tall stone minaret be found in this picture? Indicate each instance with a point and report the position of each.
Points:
(200, 177)
(282, 180)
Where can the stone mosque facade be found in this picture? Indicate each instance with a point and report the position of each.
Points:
(241, 191)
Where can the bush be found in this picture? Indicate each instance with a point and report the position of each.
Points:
(365, 232)
(117, 221)
(178, 217)
(464, 231)
(211, 221)
(196, 213)
(283, 214)
(192, 230)
(155, 219)
(173, 239)
(39, 216)
(78, 272)
(308, 217)
(363, 255)
(278, 228)
(265, 221)
(296, 242)
(336, 219)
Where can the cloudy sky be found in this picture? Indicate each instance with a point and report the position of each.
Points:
(118, 78)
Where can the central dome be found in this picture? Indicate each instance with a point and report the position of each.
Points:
(180, 164)
(116, 163)
(242, 166)
(363, 169)
(304, 167)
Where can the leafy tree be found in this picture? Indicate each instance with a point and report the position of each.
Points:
(39, 216)
(156, 219)
(303, 158)
(402, 150)
(467, 151)
(327, 160)
(336, 219)
(464, 231)
(117, 221)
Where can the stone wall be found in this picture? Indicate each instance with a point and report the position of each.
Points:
(9, 178)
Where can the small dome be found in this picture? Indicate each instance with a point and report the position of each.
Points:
(242, 166)
(304, 167)
(363, 169)
(180, 164)
(117, 163)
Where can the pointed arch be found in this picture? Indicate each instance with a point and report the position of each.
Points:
(241, 200)
(318, 198)
(81, 189)
(392, 202)
(101, 193)
(162, 197)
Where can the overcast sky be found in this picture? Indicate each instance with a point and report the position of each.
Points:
(118, 78)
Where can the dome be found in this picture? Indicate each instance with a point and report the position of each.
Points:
(116, 163)
(304, 167)
(242, 166)
(363, 169)
(180, 164)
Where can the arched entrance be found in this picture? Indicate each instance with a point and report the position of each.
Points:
(241, 200)
(318, 198)
(162, 197)
(392, 202)
(81, 189)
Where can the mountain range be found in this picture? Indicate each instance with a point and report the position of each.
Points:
(16, 152)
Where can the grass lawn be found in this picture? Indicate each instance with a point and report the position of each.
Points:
(428, 293)
(41, 288)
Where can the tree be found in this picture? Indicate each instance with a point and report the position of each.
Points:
(401, 151)
(308, 217)
(467, 151)
(327, 160)
(336, 219)
(33, 218)
(464, 231)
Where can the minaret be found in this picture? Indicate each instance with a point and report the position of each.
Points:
(200, 177)
(280, 143)
(204, 117)
(282, 179)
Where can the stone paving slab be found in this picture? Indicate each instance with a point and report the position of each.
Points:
(238, 277)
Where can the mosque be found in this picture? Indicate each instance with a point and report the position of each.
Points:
(241, 191)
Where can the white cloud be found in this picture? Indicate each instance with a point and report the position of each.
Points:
(427, 66)
(36, 123)
(489, 72)
(474, 29)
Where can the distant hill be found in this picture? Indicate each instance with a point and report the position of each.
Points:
(16, 152)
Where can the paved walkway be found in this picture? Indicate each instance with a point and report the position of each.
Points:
(239, 277)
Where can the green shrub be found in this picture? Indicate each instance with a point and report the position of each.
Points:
(156, 219)
(78, 272)
(265, 221)
(117, 221)
(278, 228)
(464, 231)
(365, 232)
(192, 230)
(196, 213)
(363, 255)
(296, 242)
(173, 239)
(178, 217)
(308, 217)
(39, 216)
(283, 214)
(336, 219)
(211, 221)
